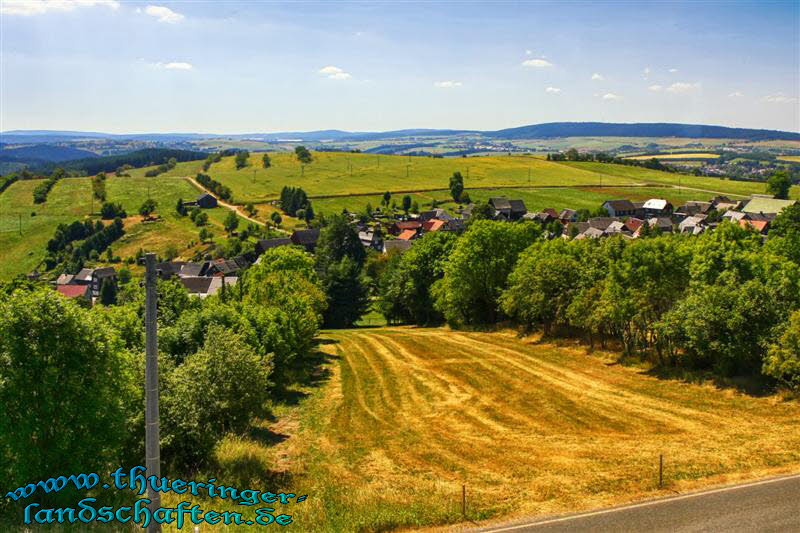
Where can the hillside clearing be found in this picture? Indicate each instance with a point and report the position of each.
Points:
(411, 414)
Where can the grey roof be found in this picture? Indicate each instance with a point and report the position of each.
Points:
(517, 206)
(620, 205)
(500, 202)
(266, 244)
(206, 195)
(601, 223)
(192, 269)
(85, 274)
(305, 236)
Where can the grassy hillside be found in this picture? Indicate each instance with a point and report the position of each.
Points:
(411, 414)
(71, 199)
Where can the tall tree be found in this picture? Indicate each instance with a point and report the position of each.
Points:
(231, 222)
(779, 184)
(265, 161)
(456, 186)
(303, 155)
(241, 159)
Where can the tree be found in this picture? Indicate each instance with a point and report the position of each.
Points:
(180, 208)
(215, 391)
(481, 211)
(787, 222)
(303, 155)
(231, 222)
(414, 207)
(477, 270)
(276, 218)
(148, 207)
(108, 292)
(456, 186)
(783, 358)
(65, 386)
(779, 184)
(250, 209)
(201, 219)
(387, 197)
(265, 161)
(205, 235)
(241, 159)
(465, 199)
(111, 210)
(406, 203)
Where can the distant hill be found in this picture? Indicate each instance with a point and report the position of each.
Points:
(45, 152)
(535, 131)
(606, 129)
(137, 159)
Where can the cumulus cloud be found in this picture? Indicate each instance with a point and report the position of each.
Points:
(163, 14)
(736, 94)
(528, 52)
(611, 96)
(447, 84)
(334, 73)
(655, 88)
(552, 90)
(683, 87)
(37, 7)
(673, 70)
(779, 98)
(537, 63)
(173, 65)
(597, 77)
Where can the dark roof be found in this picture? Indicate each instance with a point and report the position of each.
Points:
(500, 202)
(225, 266)
(170, 269)
(193, 269)
(241, 261)
(104, 272)
(620, 205)
(85, 274)
(517, 206)
(305, 236)
(266, 244)
(600, 222)
(196, 284)
(204, 196)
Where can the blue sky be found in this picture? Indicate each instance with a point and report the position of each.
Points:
(237, 67)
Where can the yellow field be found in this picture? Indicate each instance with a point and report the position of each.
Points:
(676, 156)
(792, 158)
(409, 415)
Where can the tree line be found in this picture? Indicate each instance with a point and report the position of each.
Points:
(71, 245)
(294, 202)
(724, 301)
(43, 189)
(223, 191)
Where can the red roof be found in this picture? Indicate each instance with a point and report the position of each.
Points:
(407, 235)
(759, 225)
(408, 224)
(433, 224)
(633, 224)
(72, 291)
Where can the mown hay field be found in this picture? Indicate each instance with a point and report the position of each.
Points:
(410, 415)
(676, 156)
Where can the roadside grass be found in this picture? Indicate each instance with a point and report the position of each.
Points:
(406, 416)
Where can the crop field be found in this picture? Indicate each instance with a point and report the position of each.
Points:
(23, 237)
(409, 415)
(535, 199)
(791, 158)
(675, 156)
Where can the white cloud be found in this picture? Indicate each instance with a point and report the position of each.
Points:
(164, 14)
(655, 88)
(173, 65)
(683, 87)
(553, 90)
(673, 70)
(779, 98)
(735, 94)
(646, 72)
(597, 77)
(448, 84)
(528, 52)
(37, 7)
(334, 73)
(536, 63)
(611, 96)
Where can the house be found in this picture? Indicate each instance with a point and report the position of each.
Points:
(227, 267)
(439, 214)
(75, 292)
(505, 209)
(568, 215)
(306, 238)
(267, 244)
(207, 286)
(64, 279)
(433, 225)
(633, 224)
(206, 201)
(94, 277)
(395, 245)
(692, 224)
(760, 226)
(723, 203)
(663, 224)
(657, 207)
(454, 224)
(619, 208)
(371, 239)
(734, 216)
(692, 208)
(402, 225)
(408, 235)
(600, 223)
(169, 270)
(616, 227)
(194, 269)
(591, 233)
(760, 204)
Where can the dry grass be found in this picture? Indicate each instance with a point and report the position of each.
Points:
(690, 155)
(409, 415)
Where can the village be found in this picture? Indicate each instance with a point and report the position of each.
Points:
(393, 232)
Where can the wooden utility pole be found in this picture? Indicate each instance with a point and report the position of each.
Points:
(151, 428)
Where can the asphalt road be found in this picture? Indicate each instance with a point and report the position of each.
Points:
(764, 506)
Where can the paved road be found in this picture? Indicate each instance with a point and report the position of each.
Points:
(763, 506)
